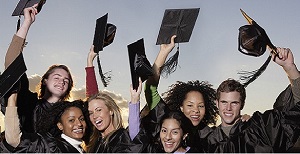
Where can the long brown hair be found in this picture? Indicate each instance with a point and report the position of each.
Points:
(42, 87)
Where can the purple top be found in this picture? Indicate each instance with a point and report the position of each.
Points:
(134, 119)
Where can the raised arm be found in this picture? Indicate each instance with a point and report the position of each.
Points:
(151, 94)
(91, 82)
(289, 66)
(134, 110)
(165, 49)
(18, 40)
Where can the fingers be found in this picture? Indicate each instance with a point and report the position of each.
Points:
(32, 9)
(283, 53)
(173, 39)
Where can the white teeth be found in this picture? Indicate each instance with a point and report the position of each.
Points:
(194, 116)
(228, 114)
(78, 130)
(98, 121)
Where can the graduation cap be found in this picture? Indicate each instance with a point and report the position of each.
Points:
(12, 74)
(139, 64)
(104, 36)
(27, 3)
(19, 10)
(179, 22)
(253, 41)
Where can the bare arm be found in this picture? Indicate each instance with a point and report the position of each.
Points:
(165, 49)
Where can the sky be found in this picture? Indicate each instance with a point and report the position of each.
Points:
(63, 34)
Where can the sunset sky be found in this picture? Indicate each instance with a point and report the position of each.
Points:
(63, 33)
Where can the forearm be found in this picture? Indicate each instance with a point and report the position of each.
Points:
(295, 84)
(152, 96)
(158, 63)
(91, 82)
(294, 77)
(12, 128)
(134, 119)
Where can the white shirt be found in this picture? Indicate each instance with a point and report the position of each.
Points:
(75, 143)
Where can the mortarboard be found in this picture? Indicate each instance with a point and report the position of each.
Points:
(139, 64)
(253, 41)
(179, 22)
(12, 74)
(104, 36)
(19, 10)
(27, 3)
(104, 33)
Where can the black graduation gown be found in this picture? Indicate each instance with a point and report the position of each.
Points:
(37, 143)
(118, 142)
(271, 131)
(26, 102)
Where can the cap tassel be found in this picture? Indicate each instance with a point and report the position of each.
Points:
(106, 77)
(19, 23)
(249, 77)
(171, 64)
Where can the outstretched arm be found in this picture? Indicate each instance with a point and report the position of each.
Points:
(18, 40)
(91, 82)
(151, 94)
(11, 120)
(289, 66)
(165, 49)
(134, 110)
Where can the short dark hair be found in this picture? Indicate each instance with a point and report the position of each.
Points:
(231, 85)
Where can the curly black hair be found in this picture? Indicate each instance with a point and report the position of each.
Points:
(48, 120)
(176, 94)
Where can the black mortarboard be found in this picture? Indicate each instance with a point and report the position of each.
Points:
(27, 3)
(179, 22)
(104, 33)
(253, 41)
(12, 74)
(139, 64)
(19, 10)
(104, 36)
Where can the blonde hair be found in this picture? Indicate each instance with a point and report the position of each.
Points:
(116, 120)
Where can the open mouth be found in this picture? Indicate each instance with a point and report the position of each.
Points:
(78, 131)
(98, 122)
(195, 118)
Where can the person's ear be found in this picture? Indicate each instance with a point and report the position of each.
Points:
(181, 108)
(111, 113)
(60, 126)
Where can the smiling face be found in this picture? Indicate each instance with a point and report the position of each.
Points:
(101, 116)
(193, 107)
(229, 107)
(57, 83)
(171, 135)
(72, 123)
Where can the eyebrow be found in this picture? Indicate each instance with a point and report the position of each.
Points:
(60, 75)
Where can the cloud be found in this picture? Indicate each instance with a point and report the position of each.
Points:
(34, 80)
